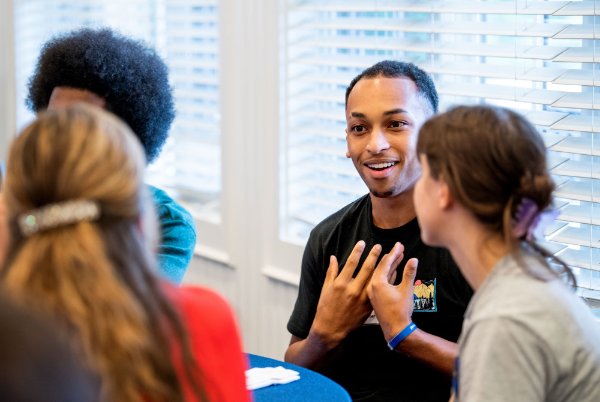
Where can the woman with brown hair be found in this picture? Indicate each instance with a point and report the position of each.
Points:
(82, 235)
(484, 193)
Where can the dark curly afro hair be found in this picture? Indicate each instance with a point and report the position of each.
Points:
(129, 75)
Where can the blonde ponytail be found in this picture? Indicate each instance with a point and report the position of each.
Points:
(96, 277)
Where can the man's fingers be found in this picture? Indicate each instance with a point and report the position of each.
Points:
(352, 261)
(383, 270)
(394, 268)
(366, 270)
(393, 276)
(332, 271)
(410, 272)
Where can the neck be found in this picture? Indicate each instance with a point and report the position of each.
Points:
(476, 251)
(393, 212)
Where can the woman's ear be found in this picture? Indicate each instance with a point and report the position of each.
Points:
(445, 197)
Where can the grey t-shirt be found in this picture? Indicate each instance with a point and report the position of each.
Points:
(526, 339)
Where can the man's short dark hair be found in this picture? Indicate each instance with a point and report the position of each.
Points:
(399, 69)
(130, 76)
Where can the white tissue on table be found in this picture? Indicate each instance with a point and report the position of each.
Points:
(259, 377)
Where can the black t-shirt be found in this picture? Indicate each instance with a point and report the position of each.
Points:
(363, 364)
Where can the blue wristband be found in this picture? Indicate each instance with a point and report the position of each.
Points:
(410, 328)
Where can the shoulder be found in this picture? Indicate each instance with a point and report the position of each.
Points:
(510, 290)
(178, 235)
(353, 214)
(168, 209)
(209, 320)
(202, 309)
(339, 232)
(198, 299)
(542, 305)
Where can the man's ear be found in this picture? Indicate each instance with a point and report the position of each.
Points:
(445, 197)
(347, 151)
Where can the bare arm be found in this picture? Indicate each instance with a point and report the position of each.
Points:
(393, 306)
(430, 350)
(343, 307)
(307, 352)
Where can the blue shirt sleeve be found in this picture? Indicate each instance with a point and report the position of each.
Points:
(178, 236)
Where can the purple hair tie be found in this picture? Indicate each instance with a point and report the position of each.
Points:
(529, 221)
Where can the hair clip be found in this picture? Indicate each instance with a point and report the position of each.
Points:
(529, 221)
(55, 215)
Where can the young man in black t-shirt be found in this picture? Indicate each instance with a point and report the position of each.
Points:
(332, 325)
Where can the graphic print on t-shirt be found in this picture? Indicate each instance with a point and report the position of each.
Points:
(424, 298)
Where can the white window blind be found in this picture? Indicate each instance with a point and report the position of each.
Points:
(538, 57)
(185, 34)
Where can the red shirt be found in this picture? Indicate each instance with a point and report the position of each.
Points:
(215, 341)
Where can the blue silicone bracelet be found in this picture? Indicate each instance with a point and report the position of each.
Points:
(410, 328)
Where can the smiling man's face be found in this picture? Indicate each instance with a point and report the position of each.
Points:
(383, 117)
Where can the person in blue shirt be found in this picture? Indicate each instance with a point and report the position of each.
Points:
(129, 79)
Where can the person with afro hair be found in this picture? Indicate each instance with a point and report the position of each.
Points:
(128, 78)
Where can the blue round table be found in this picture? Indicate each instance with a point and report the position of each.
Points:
(311, 386)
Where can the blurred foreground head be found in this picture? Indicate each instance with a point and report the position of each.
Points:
(37, 363)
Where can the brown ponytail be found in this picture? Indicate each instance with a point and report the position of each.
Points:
(492, 159)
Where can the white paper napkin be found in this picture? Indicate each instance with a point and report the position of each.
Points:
(259, 377)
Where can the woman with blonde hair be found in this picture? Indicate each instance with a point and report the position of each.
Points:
(484, 194)
(82, 235)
